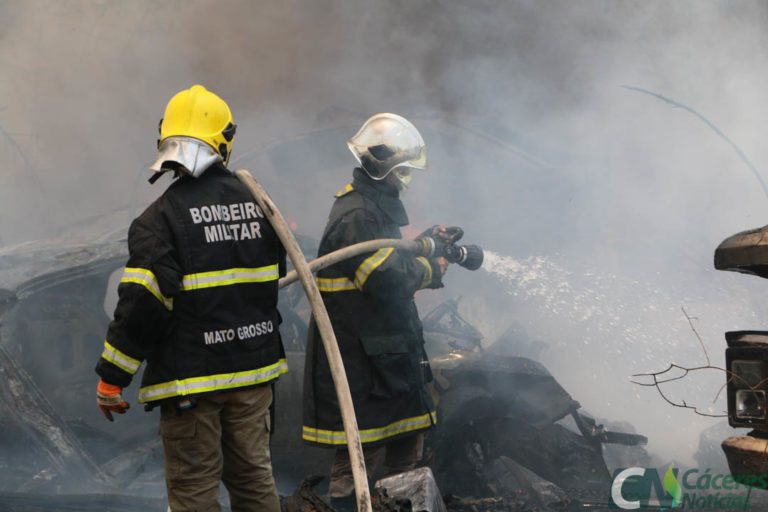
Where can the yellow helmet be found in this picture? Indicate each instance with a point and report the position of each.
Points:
(200, 114)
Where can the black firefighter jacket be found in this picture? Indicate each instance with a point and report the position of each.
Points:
(370, 303)
(198, 297)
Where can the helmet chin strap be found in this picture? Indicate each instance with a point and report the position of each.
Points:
(168, 166)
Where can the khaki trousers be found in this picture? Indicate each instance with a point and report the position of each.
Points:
(399, 455)
(225, 437)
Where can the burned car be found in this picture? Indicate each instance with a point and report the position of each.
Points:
(54, 318)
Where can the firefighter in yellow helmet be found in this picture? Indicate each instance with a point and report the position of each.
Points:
(195, 132)
(198, 303)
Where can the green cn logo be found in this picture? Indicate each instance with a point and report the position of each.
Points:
(635, 488)
(672, 486)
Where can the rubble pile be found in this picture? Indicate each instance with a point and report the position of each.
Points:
(306, 499)
(21, 502)
(509, 503)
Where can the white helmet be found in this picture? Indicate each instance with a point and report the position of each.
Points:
(386, 143)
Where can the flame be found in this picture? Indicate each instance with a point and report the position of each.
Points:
(291, 223)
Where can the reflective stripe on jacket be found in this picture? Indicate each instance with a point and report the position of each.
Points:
(198, 297)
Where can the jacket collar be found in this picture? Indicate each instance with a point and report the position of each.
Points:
(216, 169)
(383, 194)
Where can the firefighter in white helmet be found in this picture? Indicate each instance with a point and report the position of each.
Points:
(198, 303)
(370, 303)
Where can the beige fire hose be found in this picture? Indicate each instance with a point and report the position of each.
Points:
(326, 333)
(352, 250)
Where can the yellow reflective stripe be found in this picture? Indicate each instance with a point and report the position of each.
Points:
(229, 276)
(119, 359)
(345, 190)
(212, 382)
(339, 437)
(369, 265)
(148, 280)
(428, 274)
(339, 284)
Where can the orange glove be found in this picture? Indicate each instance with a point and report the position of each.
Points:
(110, 399)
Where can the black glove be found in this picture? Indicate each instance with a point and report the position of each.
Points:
(429, 232)
(452, 234)
(436, 238)
(431, 246)
(448, 235)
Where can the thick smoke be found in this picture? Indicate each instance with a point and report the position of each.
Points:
(536, 149)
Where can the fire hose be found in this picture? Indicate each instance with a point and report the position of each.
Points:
(343, 394)
(468, 256)
(348, 252)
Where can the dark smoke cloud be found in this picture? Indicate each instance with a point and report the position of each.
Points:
(536, 148)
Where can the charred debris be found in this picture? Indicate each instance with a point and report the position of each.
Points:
(509, 438)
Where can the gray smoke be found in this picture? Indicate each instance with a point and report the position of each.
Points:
(536, 150)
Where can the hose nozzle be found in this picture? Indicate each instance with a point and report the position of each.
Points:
(468, 256)
(432, 244)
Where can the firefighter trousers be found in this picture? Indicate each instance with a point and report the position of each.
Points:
(399, 455)
(225, 437)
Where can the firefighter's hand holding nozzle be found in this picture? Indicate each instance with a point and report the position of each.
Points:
(110, 399)
(440, 241)
(433, 240)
